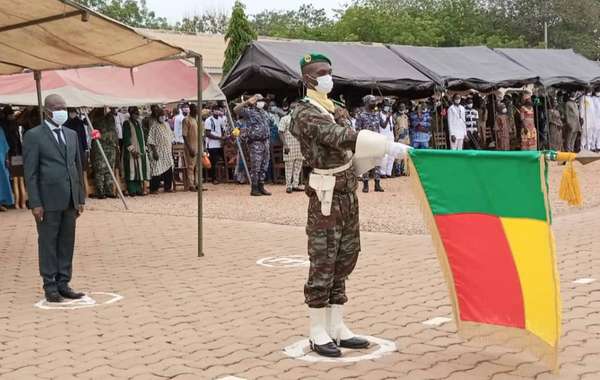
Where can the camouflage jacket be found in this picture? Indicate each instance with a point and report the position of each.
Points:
(258, 124)
(324, 144)
(108, 132)
(369, 121)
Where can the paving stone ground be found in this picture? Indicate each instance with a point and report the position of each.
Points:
(184, 317)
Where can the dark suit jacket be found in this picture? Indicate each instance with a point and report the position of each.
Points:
(53, 176)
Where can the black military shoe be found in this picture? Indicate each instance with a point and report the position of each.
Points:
(354, 343)
(255, 191)
(70, 293)
(365, 186)
(298, 189)
(378, 188)
(53, 296)
(329, 349)
(289, 190)
(261, 188)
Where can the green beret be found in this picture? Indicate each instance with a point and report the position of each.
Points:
(313, 58)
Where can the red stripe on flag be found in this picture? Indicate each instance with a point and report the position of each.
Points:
(487, 284)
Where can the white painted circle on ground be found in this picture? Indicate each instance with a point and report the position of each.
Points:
(584, 281)
(301, 350)
(82, 303)
(284, 262)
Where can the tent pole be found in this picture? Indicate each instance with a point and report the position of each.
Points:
(200, 153)
(37, 75)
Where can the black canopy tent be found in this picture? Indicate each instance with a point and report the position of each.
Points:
(556, 67)
(274, 66)
(464, 68)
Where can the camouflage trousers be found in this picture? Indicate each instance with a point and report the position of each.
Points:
(102, 178)
(260, 154)
(376, 173)
(333, 247)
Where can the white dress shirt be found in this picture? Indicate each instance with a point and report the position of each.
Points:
(62, 133)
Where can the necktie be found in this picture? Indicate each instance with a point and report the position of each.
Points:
(59, 136)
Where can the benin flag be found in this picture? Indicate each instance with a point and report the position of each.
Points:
(490, 220)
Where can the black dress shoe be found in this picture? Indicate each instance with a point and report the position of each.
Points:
(297, 189)
(54, 297)
(330, 349)
(354, 342)
(289, 190)
(70, 293)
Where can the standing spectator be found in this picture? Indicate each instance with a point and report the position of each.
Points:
(257, 134)
(386, 128)
(369, 120)
(214, 128)
(51, 152)
(472, 124)
(135, 159)
(78, 126)
(401, 133)
(6, 196)
(109, 140)
(420, 127)
(556, 126)
(457, 126)
(572, 123)
(11, 130)
(292, 156)
(160, 143)
(502, 128)
(182, 112)
(528, 131)
(190, 139)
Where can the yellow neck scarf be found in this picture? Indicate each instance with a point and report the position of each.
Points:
(322, 99)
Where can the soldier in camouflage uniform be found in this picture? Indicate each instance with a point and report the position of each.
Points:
(332, 224)
(369, 120)
(109, 140)
(257, 134)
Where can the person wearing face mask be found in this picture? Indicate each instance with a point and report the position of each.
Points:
(77, 125)
(135, 159)
(336, 155)
(257, 134)
(589, 117)
(572, 123)
(53, 171)
(472, 124)
(369, 120)
(386, 128)
(160, 144)
(105, 123)
(502, 127)
(292, 155)
(182, 112)
(457, 124)
(214, 128)
(528, 131)
(191, 149)
(401, 133)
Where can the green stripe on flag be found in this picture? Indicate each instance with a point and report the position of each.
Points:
(505, 184)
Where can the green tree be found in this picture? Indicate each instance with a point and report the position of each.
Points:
(239, 35)
(307, 22)
(130, 12)
(211, 21)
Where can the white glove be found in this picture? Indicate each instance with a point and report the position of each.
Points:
(397, 150)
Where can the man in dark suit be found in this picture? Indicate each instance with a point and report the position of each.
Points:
(53, 176)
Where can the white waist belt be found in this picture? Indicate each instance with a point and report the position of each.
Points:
(333, 171)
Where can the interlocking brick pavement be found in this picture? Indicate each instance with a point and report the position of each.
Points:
(184, 317)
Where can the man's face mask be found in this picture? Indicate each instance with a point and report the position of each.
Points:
(386, 109)
(324, 84)
(185, 110)
(260, 105)
(457, 101)
(469, 105)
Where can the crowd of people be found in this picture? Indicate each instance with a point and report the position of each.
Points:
(139, 143)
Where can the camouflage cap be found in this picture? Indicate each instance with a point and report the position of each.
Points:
(313, 58)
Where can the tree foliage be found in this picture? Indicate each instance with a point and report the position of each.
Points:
(131, 12)
(239, 34)
(210, 21)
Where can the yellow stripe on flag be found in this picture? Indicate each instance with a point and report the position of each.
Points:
(533, 252)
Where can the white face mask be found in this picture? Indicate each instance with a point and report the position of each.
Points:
(324, 84)
(162, 119)
(186, 111)
(60, 117)
(260, 105)
(386, 109)
(597, 93)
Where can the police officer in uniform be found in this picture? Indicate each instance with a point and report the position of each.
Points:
(337, 155)
(257, 134)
